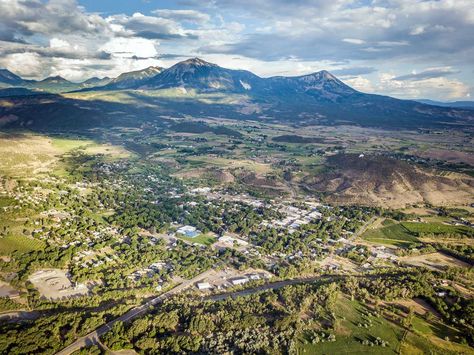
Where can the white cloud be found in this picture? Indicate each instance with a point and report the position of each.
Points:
(417, 30)
(360, 83)
(353, 40)
(28, 65)
(441, 88)
(127, 47)
(59, 43)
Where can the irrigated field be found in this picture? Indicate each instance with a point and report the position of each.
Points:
(204, 239)
(392, 234)
(19, 243)
(436, 228)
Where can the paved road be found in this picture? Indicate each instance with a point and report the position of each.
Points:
(19, 314)
(273, 286)
(93, 337)
(363, 228)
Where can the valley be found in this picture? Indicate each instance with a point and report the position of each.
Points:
(102, 211)
(164, 212)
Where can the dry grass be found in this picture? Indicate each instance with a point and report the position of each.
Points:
(433, 261)
(28, 154)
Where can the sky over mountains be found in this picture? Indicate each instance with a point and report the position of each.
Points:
(403, 48)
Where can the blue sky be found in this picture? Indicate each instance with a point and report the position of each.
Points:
(402, 48)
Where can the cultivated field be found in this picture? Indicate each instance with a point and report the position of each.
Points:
(20, 243)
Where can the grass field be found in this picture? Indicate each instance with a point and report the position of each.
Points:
(425, 337)
(20, 243)
(433, 335)
(67, 144)
(349, 335)
(392, 234)
(27, 154)
(204, 239)
(437, 228)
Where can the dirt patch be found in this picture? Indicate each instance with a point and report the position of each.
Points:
(55, 284)
(6, 290)
(418, 305)
(433, 261)
(422, 211)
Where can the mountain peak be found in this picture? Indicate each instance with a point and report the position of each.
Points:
(327, 75)
(55, 79)
(196, 62)
(325, 84)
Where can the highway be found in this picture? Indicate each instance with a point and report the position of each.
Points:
(93, 337)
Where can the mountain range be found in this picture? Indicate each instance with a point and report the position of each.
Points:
(317, 98)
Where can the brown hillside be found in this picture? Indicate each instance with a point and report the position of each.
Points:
(387, 182)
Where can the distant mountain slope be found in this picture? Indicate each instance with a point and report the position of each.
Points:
(53, 84)
(10, 79)
(95, 81)
(132, 79)
(456, 104)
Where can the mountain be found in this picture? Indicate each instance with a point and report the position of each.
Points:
(53, 84)
(315, 99)
(7, 78)
(95, 81)
(133, 79)
(203, 76)
(458, 104)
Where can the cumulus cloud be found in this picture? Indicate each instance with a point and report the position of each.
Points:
(128, 47)
(356, 30)
(438, 87)
(25, 18)
(27, 65)
(150, 27)
(431, 40)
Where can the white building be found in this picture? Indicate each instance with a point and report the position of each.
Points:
(204, 286)
(239, 281)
